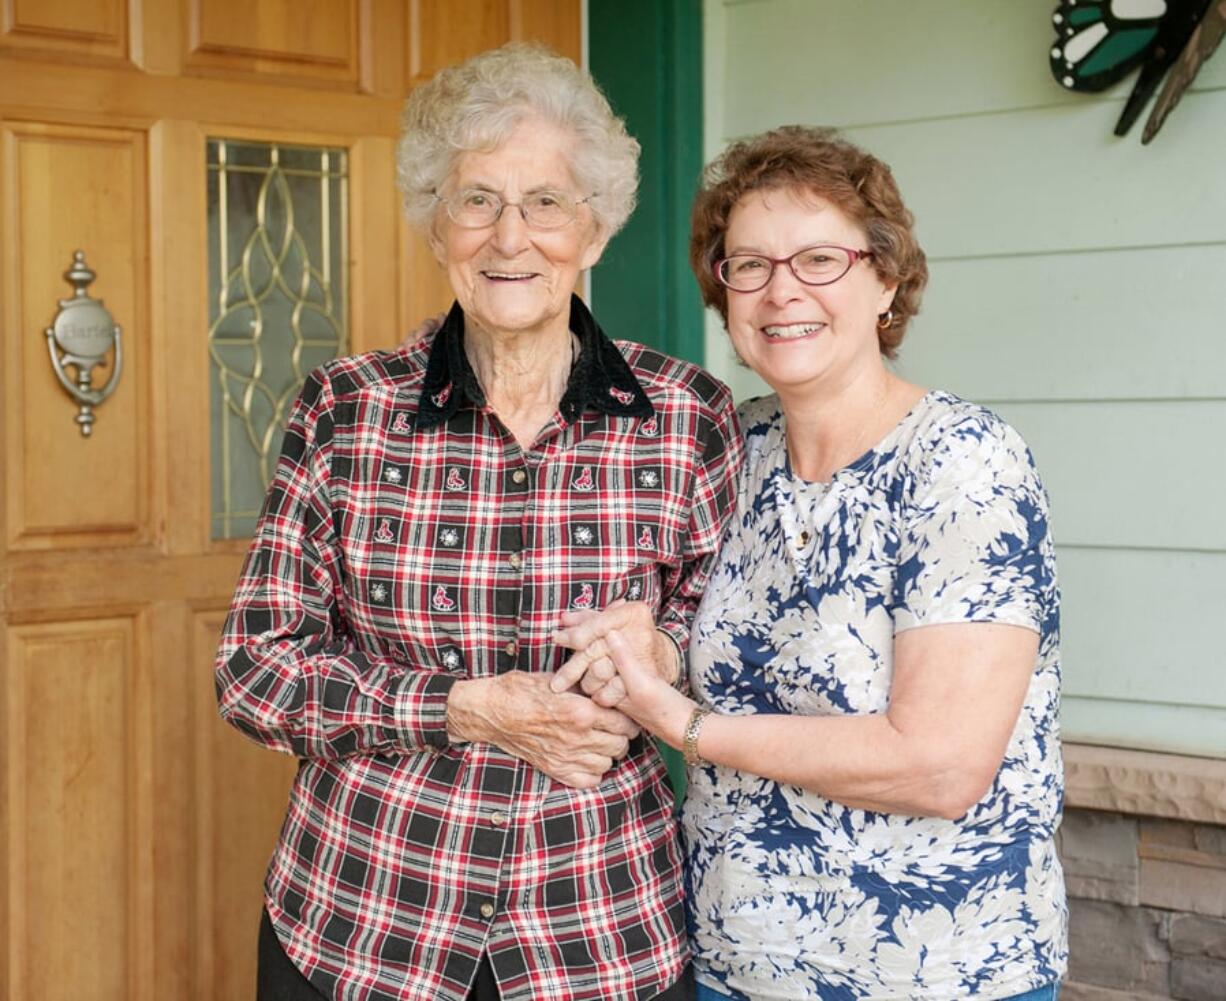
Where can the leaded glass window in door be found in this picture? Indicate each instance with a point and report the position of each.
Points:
(278, 305)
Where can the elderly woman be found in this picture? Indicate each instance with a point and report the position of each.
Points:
(875, 774)
(457, 828)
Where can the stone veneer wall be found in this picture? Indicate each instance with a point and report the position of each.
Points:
(1147, 879)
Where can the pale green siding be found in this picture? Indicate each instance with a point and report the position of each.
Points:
(1077, 288)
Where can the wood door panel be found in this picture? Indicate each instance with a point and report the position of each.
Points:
(135, 826)
(68, 189)
(444, 32)
(557, 24)
(424, 291)
(84, 27)
(242, 790)
(296, 38)
(34, 586)
(373, 225)
(109, 95)
(74, 767)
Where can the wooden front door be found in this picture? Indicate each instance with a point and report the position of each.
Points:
(135, 827)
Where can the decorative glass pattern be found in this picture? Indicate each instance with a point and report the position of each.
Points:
(278, 305)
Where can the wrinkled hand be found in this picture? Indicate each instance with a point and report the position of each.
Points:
(591, 667)
(427, 326)
(565, 735)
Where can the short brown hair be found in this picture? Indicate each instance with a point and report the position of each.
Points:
(819, 161)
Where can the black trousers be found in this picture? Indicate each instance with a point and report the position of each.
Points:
(279, 979)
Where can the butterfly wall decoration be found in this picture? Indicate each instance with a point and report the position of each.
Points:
(1099, 42)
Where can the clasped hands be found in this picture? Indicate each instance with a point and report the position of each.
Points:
(622, 661)
(615, 651)
(572, 725)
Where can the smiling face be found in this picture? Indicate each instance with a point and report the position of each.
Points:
(508, 278)
(800, 337)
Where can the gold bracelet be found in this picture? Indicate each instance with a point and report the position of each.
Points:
(689, 745)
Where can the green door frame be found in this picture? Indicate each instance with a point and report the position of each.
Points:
(647, 57)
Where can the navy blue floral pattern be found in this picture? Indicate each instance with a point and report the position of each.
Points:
(792, 895)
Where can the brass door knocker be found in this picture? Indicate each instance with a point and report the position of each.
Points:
(84, 332)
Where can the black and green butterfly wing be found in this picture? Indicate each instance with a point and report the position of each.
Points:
(1099, 42)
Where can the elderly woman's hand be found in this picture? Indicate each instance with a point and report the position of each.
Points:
(565, 735)
(592, 669)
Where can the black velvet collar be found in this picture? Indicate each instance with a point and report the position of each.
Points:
(601, 378)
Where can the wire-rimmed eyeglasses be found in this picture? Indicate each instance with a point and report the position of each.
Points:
(820, 265)
(476, 208)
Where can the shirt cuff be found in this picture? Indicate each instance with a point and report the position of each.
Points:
(677, 638)
(421, 710)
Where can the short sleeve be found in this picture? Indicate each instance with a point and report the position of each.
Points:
(974, 543)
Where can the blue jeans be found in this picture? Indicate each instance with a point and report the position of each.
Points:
(1048, 993)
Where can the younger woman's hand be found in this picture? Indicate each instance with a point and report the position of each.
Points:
(590, 669)
(649, 700)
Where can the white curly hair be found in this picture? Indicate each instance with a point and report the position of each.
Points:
(476, 105)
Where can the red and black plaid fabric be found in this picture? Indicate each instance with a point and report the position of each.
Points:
(408, 542)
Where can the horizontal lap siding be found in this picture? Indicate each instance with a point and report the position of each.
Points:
(1055, 179)
(1077, 283)
(1131, 474)
(1097, 325)
(1137, 628)
(854, 62)
(1145, 726)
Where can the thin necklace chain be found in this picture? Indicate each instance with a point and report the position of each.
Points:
(869, 437)
(866, 435)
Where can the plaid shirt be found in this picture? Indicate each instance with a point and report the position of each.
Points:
(408, 541)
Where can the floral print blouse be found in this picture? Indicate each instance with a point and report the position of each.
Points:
(792, 895)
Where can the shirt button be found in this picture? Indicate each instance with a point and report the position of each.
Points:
(515, 560)
(804, 538)
(487, 910)
(498, 818)
(510, 649)
(519, 476)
